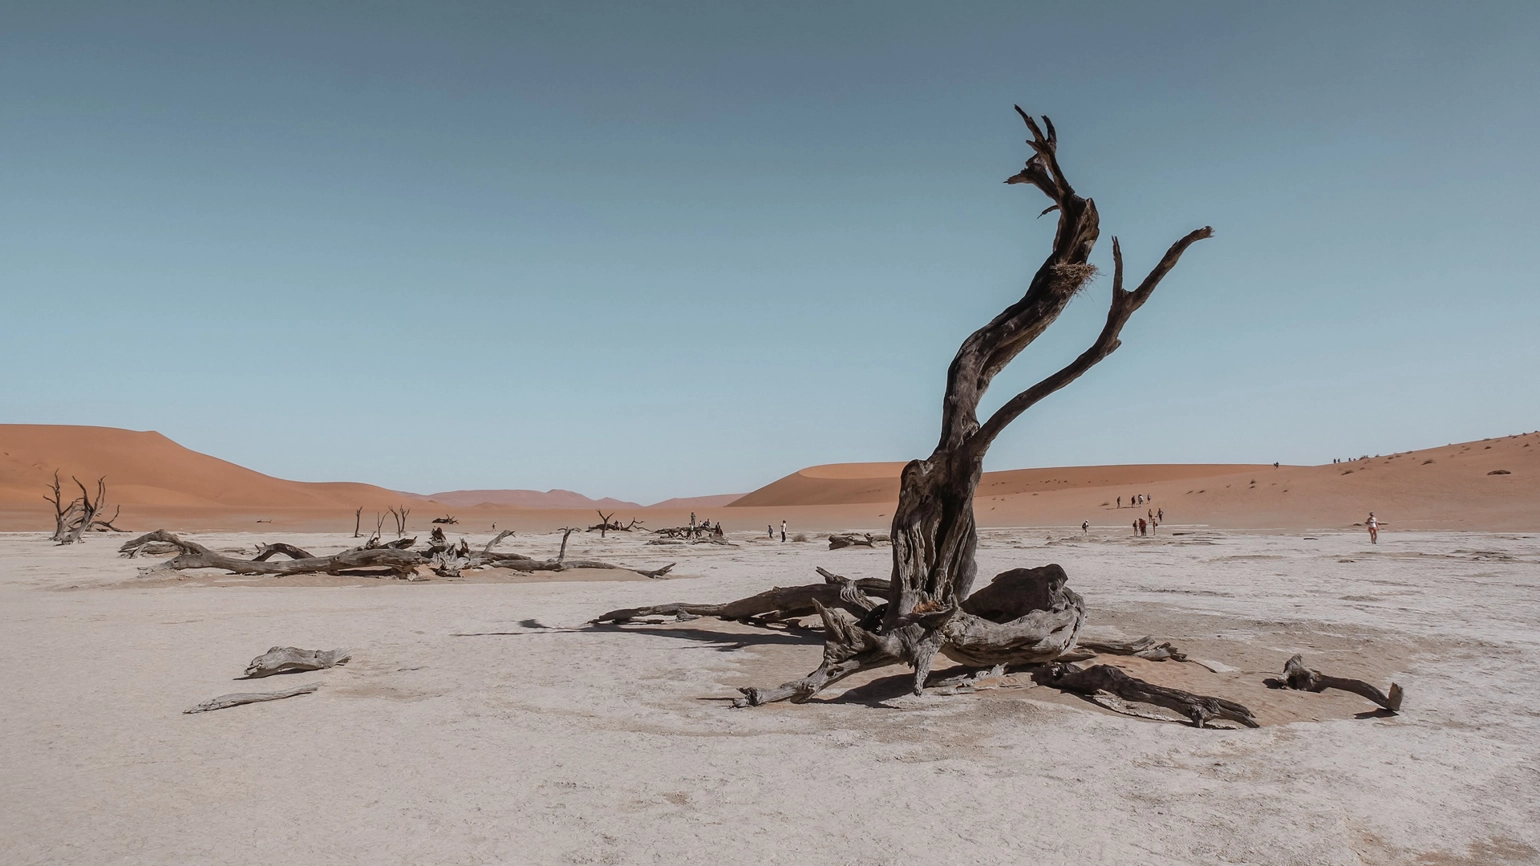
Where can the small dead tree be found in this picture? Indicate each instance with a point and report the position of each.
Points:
(82, 514)
(358, 517)
(399, 514)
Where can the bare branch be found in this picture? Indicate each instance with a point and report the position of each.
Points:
(1123, 306)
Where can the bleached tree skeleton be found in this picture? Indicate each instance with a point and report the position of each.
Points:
(934, 535)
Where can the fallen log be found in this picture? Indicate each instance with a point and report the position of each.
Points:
(194, 555)
(851, 540)
(224, 702)
(1297, 676)
(289, 660)
(1201, 709)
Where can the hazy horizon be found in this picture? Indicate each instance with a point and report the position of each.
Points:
(686, 249)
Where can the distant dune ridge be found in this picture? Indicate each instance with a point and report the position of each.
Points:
(527, 499)
(1493, 484)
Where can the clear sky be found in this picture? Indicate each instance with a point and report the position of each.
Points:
(657, 249)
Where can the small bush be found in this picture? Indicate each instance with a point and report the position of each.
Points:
(1426, 462)
(799, 537)
(1499, 472)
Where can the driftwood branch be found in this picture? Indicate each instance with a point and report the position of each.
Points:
(224, 702)
(1297, 676)
(1201, 709)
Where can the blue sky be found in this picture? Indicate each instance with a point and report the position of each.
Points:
(649, 250)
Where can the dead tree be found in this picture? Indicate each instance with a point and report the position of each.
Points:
(446, 521)
(850, 539)
(399, 514)
(83, 514)
(358, 517)
(608, 523)
(934, 535)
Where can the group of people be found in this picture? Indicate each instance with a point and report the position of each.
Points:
(770, 530)
(1136, 500)
(1153, 518)
(705, 527)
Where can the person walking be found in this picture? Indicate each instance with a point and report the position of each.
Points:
(770, 531)
(1142, 526)
(1120, 502)
(1136, 527)
(1374, 529)
(783, 531)
(1160, 514)
(1085, 526)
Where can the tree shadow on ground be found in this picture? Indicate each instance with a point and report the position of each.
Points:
(740, 639)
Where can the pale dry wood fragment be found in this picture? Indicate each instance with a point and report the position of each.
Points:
(288, 659)
(224, 702)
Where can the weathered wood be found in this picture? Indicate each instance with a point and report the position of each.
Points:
(1297, 676)
(266, 551)
(851, 540)
(774, 605)
(933, 532)
(224, 702)
(288, 660)
(1024, 616)
(194, 555)
(1201, 709)
(1144, 648)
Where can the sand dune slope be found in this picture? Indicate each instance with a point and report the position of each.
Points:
(146, 468)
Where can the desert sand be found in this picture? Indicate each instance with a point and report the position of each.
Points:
(484, 723)
(162, 485)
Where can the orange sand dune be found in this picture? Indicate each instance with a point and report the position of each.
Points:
(857, 483)
(147, 469)
(159, 483)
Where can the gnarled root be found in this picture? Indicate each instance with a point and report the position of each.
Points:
(849, 649)
(1024, 616)
(1106, 678)
(1297, 676)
